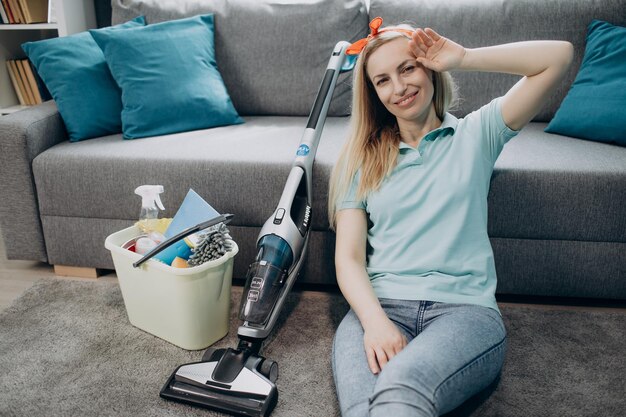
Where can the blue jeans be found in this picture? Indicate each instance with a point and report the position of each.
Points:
(454, 351)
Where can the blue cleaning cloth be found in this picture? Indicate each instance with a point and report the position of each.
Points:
(192, 211)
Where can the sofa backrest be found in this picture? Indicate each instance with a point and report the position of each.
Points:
(271, 54)
(475, 23)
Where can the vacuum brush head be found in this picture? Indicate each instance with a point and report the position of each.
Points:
(249, 393)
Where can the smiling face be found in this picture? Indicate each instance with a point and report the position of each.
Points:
(403, 85)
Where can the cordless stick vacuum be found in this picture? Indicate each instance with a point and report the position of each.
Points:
(240, 381)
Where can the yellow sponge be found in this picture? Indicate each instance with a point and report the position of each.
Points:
(179, 262)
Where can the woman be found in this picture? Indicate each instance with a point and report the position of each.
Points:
(408, 200)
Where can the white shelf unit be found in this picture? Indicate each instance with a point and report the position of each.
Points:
(72, 16)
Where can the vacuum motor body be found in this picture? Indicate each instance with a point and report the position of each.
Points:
(265, 278)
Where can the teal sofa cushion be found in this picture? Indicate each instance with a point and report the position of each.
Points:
(594, 106)
(75, 72)
(169, 77)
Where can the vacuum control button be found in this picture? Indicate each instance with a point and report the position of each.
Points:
(280, 215)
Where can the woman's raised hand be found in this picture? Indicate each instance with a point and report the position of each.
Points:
(436, 52)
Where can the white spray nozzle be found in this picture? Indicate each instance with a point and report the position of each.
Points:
(150, 195)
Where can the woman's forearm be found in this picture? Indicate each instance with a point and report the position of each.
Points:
(542, 65)
(356, 288)
(522, 58)
(350, 264)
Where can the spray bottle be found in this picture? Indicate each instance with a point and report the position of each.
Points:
(150, 205)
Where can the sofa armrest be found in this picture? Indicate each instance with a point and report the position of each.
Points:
(23, 136)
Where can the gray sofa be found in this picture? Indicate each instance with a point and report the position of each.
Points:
(557, 205)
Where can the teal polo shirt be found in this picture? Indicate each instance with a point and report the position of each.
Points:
(427, 223)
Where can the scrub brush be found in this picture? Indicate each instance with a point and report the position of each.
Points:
(213, 244)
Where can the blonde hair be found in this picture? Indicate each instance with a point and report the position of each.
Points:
(373, 143)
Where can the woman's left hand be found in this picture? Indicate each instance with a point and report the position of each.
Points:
(436, 52)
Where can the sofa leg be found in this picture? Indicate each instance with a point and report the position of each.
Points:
(76, 271)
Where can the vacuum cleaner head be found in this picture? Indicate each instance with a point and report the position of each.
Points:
(230, 381)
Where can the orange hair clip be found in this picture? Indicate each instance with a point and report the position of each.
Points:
(375, 24)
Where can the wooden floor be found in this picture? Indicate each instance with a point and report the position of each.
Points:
(17, 276)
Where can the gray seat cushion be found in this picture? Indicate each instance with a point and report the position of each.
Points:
(549, 186)
(238, 169)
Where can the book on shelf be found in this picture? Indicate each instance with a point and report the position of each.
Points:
(34, 88)
(30, 98)
(7, 11)
(20, 90)
(16, 82)
(28, 86)
(15, 10)
(34, 11)
(25, 11)
(3, 15)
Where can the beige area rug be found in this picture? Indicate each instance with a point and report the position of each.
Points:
(67, 349)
